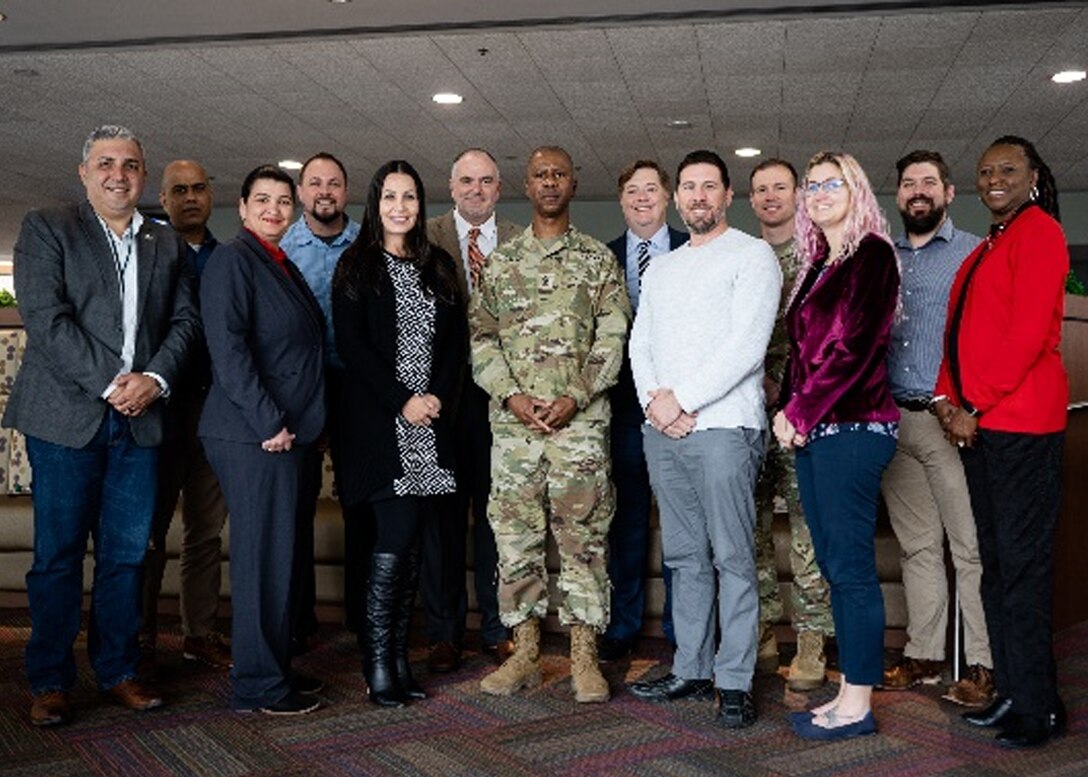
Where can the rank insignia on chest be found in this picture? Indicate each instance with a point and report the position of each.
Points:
(547, 283)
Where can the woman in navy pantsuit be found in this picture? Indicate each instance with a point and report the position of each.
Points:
(263, 414)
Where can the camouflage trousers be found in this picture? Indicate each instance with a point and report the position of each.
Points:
(810, 601)
(562, 482)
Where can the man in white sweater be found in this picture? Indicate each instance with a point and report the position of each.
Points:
(697, 347)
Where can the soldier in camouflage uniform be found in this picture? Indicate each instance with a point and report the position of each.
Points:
(773, 187)
(549, 323)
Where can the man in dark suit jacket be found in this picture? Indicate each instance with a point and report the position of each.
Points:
(106, 301)
(644, 198)
(469, 232)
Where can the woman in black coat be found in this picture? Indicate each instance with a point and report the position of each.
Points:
(400, 331)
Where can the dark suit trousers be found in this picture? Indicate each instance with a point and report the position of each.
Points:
(359, 527)
(629, 535)
(1015, 482)
(268, 498)
(442, 579)
(474, 487)
(184, 470)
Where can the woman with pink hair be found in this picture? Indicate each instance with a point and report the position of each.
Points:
(837, 413)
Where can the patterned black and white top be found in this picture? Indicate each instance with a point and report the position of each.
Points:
(415, 336)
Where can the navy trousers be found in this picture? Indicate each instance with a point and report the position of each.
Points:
(839, 480)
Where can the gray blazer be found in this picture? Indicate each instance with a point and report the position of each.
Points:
(69, 299)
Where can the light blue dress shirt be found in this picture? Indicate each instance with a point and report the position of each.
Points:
(659, 244)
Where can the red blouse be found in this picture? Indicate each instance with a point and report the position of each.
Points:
(1010, 329)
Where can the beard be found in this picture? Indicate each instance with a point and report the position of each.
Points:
(924, 223)
(326, 216)
(704, 222)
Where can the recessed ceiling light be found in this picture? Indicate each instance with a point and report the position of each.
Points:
(2, 17)
(290, 164)
(678, 124)
(448, 98)
(1068, 76)
(339, 2)
(747, 151)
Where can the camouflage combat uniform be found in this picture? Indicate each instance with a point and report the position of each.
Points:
(811, 602)
(550, 319)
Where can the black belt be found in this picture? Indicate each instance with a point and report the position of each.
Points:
(917, 404)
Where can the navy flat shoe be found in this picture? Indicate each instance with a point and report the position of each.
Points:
(801, 716)
(806, 729)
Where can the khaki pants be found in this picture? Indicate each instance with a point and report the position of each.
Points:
(926, 493)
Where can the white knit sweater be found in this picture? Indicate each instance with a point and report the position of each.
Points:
(704, 320)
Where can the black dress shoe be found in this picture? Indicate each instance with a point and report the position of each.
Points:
(614, 649)
(1024, 731)
(735, 709)
(443, 657)
(1056, 720)
(671, 688)
(291, 704)
(299, 645)
(994, 715)
(306, 685)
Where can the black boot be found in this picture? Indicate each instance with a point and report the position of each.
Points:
(381, 605)
(402, 625)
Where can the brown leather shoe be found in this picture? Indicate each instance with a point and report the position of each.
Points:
(911, 672)
(501, 650)
(443, 658)
(51, 709)
(211, 650)
(975, 689)
(135, 695)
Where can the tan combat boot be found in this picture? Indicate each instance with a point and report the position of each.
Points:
(585, 672)
(767, 655)
(522, 669)
(808, 670)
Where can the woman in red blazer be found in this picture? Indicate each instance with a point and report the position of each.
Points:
(839, 416)
(1002, 396)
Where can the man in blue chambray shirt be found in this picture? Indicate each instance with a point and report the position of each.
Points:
(924, 486)
(315, 243)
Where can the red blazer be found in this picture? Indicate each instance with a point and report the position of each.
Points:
(839, 326)
(1011, 327)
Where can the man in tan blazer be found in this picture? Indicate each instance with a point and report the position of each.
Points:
(469, 232)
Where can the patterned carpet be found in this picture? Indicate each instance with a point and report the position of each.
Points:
(461, 732)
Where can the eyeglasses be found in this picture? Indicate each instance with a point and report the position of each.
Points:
(830, 186)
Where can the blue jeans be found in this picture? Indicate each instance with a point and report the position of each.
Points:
(839, 480)
(106, 490)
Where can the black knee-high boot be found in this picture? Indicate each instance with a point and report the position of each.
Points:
(382, 601)
(409, 582)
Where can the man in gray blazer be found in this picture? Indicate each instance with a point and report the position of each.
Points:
(105, 298)
(469, 232)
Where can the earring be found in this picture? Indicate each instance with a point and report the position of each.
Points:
(1034, 193)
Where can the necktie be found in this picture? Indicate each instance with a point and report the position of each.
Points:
(476, 257)
(643, 258)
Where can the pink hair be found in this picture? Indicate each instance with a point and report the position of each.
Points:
(863, 218)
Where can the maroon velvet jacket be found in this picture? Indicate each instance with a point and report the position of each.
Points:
(839, 326)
